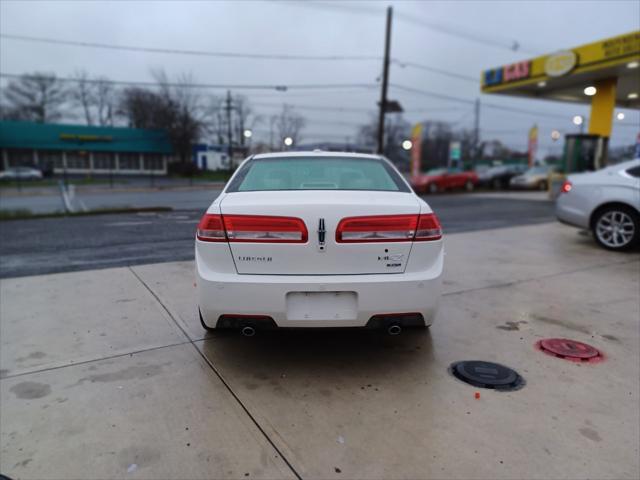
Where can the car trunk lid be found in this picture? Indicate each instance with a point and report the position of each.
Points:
(285, 253)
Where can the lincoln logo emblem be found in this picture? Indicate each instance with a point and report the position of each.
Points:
(321, 234)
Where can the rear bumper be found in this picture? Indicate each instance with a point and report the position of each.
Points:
(571, 214)
(222, 295)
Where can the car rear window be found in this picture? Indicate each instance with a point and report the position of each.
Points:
(634, 171)
(316, 173)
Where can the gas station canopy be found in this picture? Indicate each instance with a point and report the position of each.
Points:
(565, 74)
(605, 74)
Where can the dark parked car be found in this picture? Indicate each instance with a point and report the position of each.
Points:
(500, 176)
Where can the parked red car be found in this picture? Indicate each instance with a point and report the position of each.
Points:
(440, 179)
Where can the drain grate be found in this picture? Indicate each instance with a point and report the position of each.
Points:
(570, 350)
(487, 375)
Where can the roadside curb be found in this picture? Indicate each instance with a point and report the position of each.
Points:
(88, 213)
(54, 191)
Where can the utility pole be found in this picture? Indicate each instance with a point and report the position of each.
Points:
(271, 122)
(385, 81)
(476, 129)
(229, 131)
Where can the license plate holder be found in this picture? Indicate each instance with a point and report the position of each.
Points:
(322, 305)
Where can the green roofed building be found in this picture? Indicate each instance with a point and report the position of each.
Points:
(84, 149)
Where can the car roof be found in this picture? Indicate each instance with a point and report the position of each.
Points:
(261, 156)
(628, 164)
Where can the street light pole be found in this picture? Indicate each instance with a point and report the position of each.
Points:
(229, 130)
(476, 130)
(385, 81)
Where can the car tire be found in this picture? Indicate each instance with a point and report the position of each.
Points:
(432, 188)
(543, 186)
(616, 227)
(204, 325)
(469, 186)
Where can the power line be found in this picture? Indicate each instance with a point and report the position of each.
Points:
(282, 88)
(524, 111)
(431, 110)
(440, 71)
(335, 91)
(466, 34)
(252, 56)
(304, 133)
(428, 93)
(336, 122)
(469, 101)
(174, 51)
(439, 26)
(316, 107)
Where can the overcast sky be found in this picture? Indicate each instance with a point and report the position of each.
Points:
(464, 37)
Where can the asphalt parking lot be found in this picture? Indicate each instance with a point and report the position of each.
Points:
(49, 245)
(108, 374)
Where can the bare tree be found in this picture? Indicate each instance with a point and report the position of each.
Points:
(244, 117)
(215, 119)
(188, 114)
(396, 129)
(105, 97)
(289, 123)
(96, 97)
(38, 97)
(144, 108)
(82, 94)
(175, 107)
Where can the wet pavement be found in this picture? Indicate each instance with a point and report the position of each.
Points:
(108, 374)
(48, 245)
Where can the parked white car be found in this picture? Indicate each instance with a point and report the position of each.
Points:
(22, 173)
(607, 202)
(318, 239)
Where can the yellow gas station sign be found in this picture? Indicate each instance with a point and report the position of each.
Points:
(605, 74)
(586, 58)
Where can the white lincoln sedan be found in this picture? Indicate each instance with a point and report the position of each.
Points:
(318, 239)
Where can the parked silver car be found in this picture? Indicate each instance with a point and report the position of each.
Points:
(607, 202)
(22, 173)
(536, 178)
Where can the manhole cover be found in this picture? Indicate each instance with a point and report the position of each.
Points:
(487, 375)
(570, 350)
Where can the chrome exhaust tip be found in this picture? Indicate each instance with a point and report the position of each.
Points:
(248, 331)
(394, 329)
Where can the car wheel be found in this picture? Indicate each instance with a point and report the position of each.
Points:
(204, 325)
(542, 186)
(433, 188)
(616, 228)
(468, 186)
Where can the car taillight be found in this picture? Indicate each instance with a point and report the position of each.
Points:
(264, 229)
(378, 228)
(211, 229)
(428, 228)
(566, 187)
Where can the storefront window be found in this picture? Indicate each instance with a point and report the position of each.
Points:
(103, 161)
(129, 161)
(50, 159)
(153, 162)
(78, 160)
(20, 157)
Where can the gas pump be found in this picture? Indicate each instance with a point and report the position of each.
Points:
(584, 152)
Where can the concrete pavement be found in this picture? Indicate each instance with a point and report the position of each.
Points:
(107, 374)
